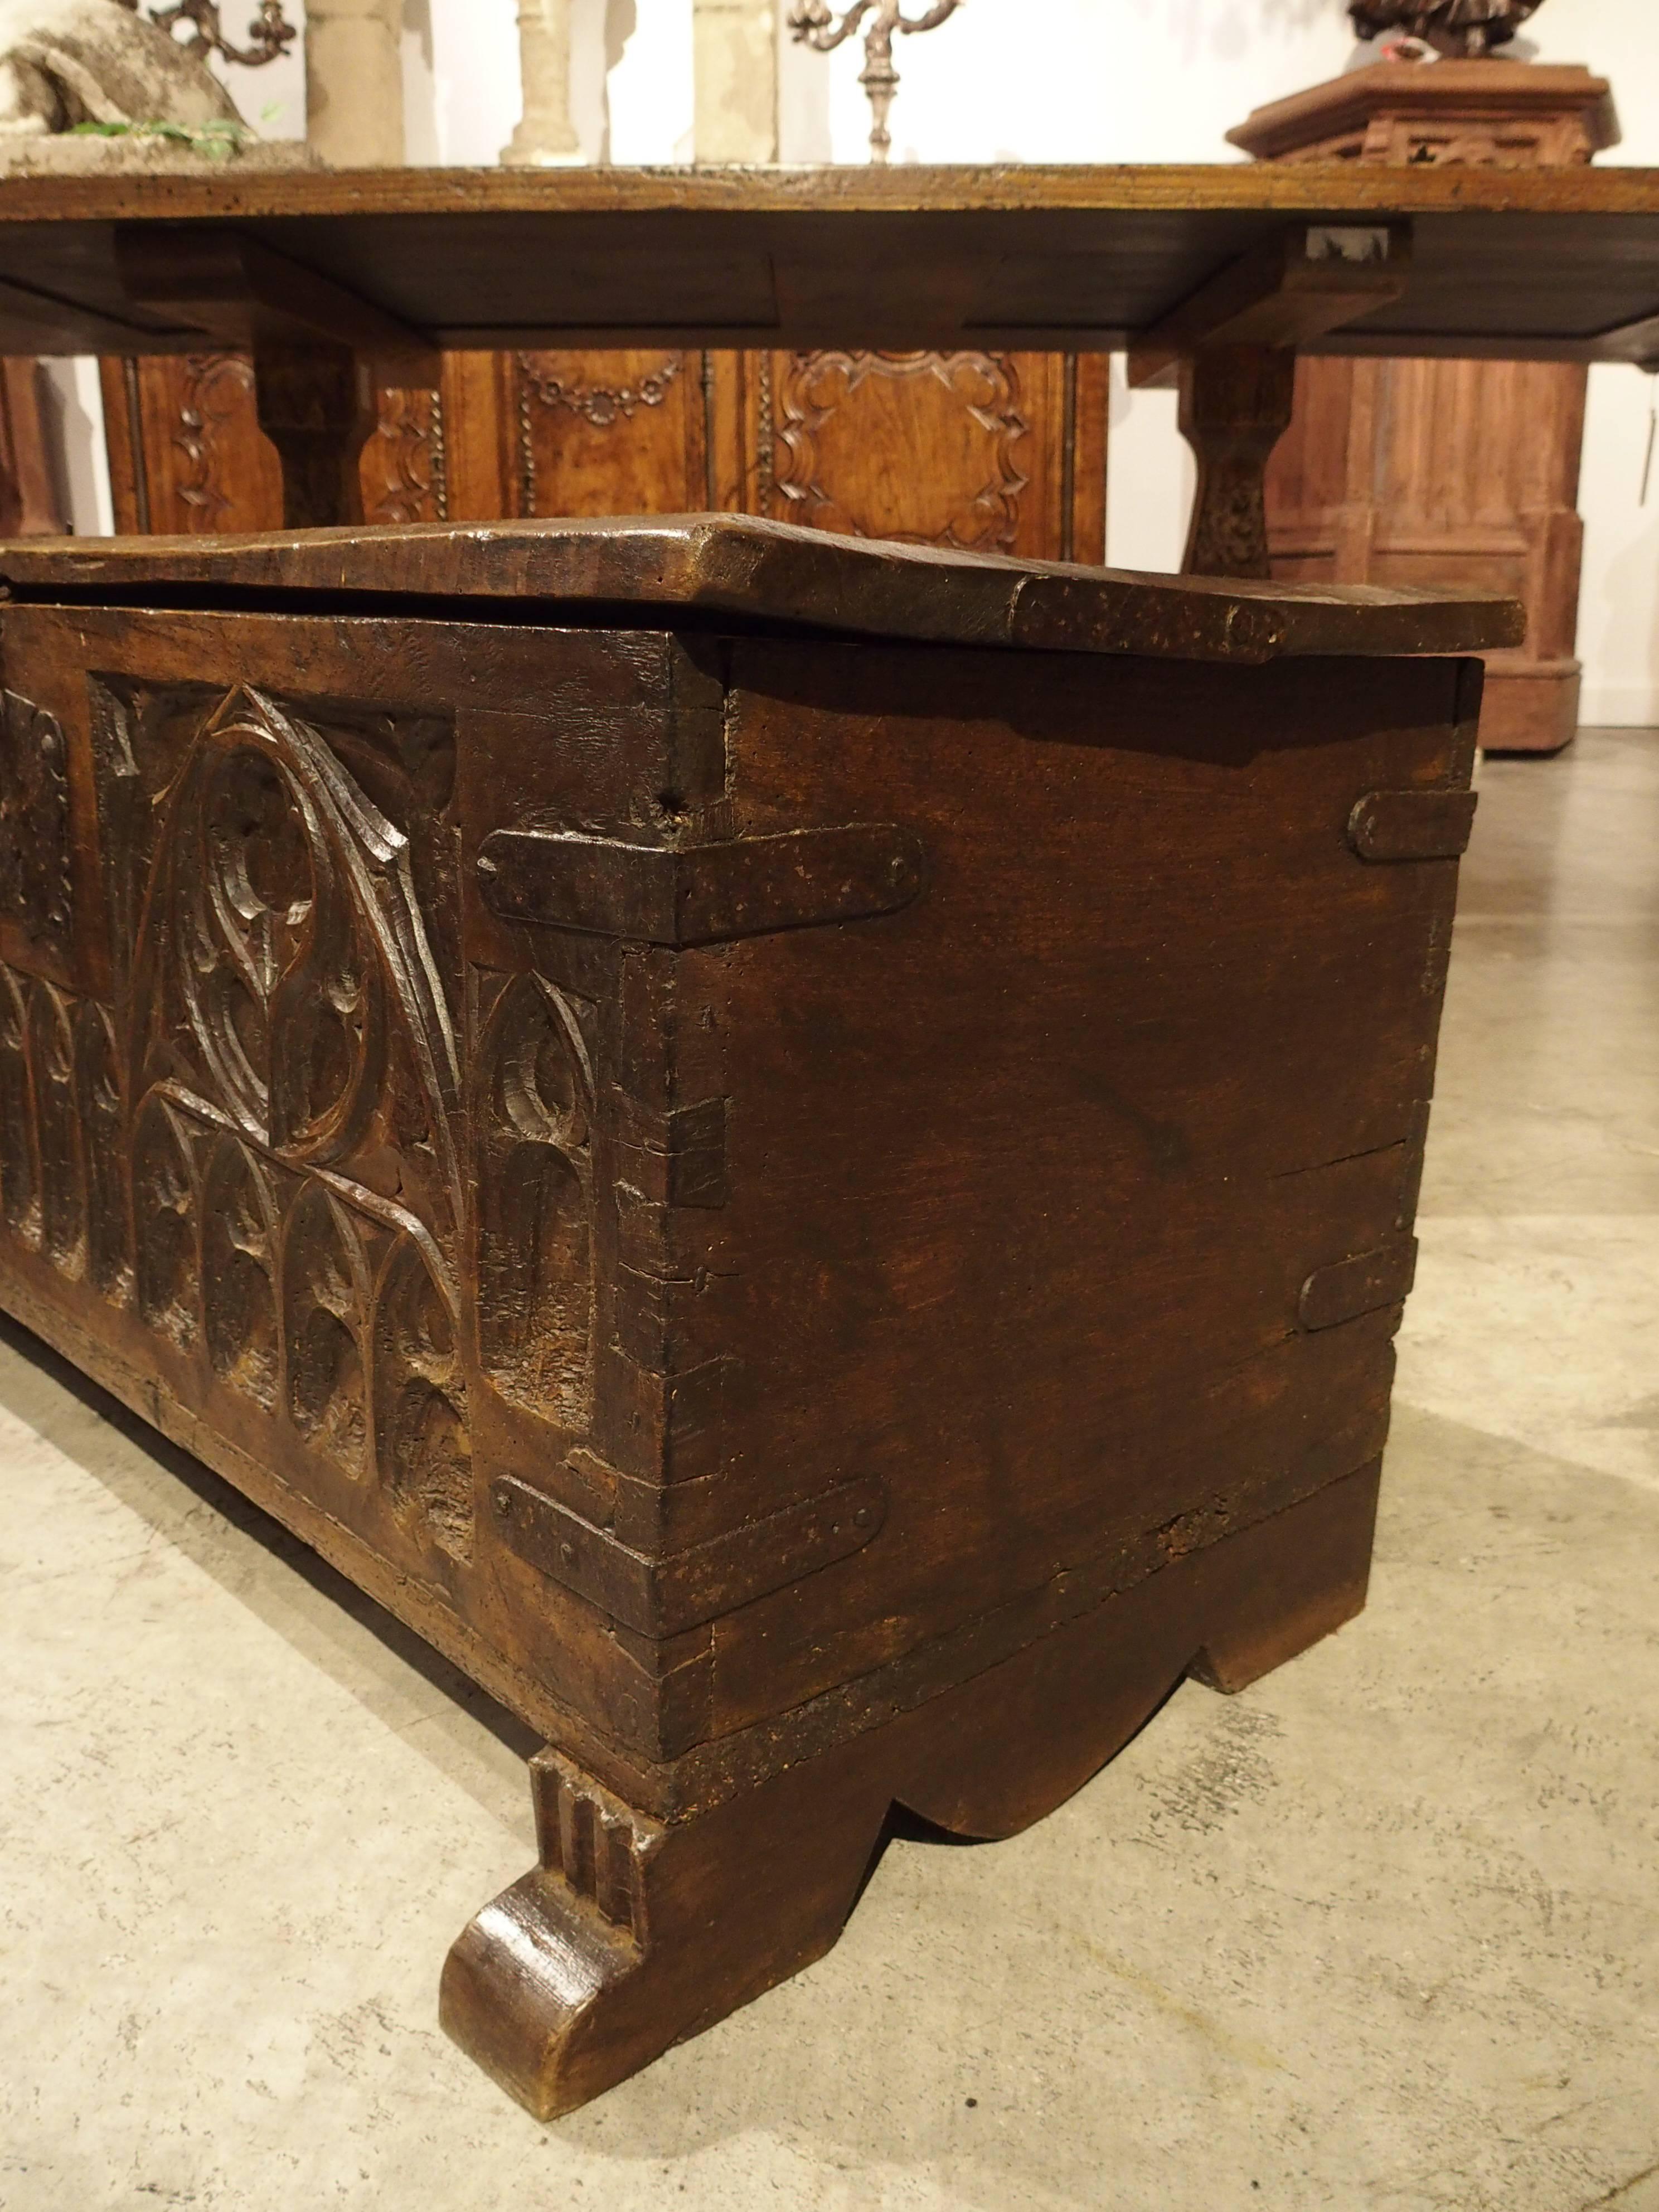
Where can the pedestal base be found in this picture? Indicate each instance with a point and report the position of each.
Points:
(1531, 708)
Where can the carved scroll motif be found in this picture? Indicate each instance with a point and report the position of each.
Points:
(219, 392)
(36, 865)
(860, 397)
(405, 462)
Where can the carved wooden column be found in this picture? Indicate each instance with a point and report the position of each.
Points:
(30, 506)
(355, 82)
(1235, 408)
(737, 80)
(1444, 472)
(546, 137)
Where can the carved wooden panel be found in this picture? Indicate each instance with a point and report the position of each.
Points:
(1445, 472)
(188, 455)
(607, 434)
(997, 451)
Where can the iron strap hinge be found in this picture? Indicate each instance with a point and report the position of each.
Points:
(689, 895)
(662, 1597)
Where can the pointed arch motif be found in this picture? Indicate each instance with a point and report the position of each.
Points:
(533, 1110)
(281, 918)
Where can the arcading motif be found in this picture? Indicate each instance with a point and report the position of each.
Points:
(103, 1127)
(533, 1104)
(36, 867)
(239, 1271)
(281, 911)
(164, 1220)
(425, 1448)
(18, 1200)
(57, 1132)
(326, 1295)
(817, 388)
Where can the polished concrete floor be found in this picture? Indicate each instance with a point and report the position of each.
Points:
(1384, 1932)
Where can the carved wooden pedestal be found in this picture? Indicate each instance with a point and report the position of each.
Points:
(1445, 471)
(670, 1097)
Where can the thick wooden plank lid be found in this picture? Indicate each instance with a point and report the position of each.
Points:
(739, 569)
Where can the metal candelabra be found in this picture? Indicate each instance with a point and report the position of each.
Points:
(814, 23)
(269, 34)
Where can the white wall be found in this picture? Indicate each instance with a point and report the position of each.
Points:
(1054, 80)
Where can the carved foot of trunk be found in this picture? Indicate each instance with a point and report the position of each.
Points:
(634, 1934)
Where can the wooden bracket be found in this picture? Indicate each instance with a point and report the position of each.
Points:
(664, 1598)
(318, 351)
(241, 293)
(680, 895)
(1231, 349)
(1310, 279)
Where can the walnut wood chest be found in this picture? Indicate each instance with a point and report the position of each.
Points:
(802, 1154)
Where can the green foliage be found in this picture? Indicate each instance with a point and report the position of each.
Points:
(215, 141)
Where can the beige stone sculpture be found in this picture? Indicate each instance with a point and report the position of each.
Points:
(67, 63)
(355, 82)
(545, 137)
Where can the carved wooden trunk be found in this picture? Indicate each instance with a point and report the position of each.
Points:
(803, 1156)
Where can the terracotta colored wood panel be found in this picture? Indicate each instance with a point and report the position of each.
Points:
(1460, 472)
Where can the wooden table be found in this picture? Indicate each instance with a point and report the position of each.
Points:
(1215, 274)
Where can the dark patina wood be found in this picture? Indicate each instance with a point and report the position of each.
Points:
(803, 1155)
(324, 275)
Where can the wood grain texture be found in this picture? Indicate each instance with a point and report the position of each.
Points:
(1004, 452)
(1439, 470)
(734, 566)
(1016, 256)
(722, 1165)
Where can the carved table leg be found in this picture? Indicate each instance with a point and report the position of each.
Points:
(633, 1933)
(317, 406)
(1234, 407)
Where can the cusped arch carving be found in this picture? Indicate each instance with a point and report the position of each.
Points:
(166, 1272)
(98, 1096)
(239, 1239)
(423, 1444)
(535, 1203)
(282, 914)
(327, 1297)
(19, 1187)
(57, 1133)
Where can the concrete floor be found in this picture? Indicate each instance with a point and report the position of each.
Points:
(1384, 1932)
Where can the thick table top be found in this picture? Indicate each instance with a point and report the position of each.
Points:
(740, 572)
(1559, 265)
